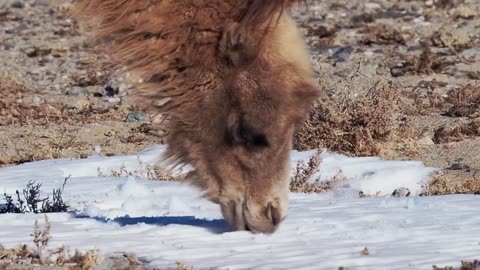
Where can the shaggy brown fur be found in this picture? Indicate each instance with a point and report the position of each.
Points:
(234, 78)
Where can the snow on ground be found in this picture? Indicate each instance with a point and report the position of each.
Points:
(167, 222)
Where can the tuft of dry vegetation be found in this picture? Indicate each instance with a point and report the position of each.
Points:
(465, 265)
(425, 63)
(24, 257)
(384, 35)
(444, 39)
(465, 101)
(451, 182)
(32, 201)
(146, 171)
(302, 179)
(447, 4)
(446, 134)
(355, 126)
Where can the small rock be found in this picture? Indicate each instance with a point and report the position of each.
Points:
(41, 3)
(36, 101)
(18, 4)
(111, 91)
(343, 54)
(110, 133)
(401, 192)
(136, 117)
(36, 52)
(458, 167)
(425, 141)
(102, 107)
(465, 13)
(78, 105)
(397, 71)
(113, 100)
(470, 54)
(76, 91)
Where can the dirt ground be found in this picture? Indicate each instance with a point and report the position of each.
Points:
(401, 80)
(57, 98)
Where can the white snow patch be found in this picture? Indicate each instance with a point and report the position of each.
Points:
(166, 222)
(371, 175)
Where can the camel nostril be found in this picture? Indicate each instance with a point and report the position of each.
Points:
(274, 214)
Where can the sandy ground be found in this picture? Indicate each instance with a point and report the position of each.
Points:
(59, 99)
(426, 51)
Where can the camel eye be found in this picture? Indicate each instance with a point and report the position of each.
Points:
(242, 135)
(258, 140)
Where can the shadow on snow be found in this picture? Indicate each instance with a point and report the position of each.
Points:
(217, 226)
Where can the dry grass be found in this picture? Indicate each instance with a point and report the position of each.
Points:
(465, 101)
(446, 134)
(145, 171)
(465, 265)
(424, 98)
(425, 63)
(444, 39)
(447, 4)
(356, 126)
(384, 35)
(24, 257)
(452, 182)
(302, 180)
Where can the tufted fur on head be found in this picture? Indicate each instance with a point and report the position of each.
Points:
(234, 78)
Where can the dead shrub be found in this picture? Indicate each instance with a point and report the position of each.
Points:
(445, 39)
(91, 77)
(10, 90)
(354, 126)
(426, 102)
(423, 99)
(362, 19)
(384, 35)
(442, 39)
(447, 4)
(428, 62)
(446, 134)
(465, 101)
(145, 171)
(41, 256)
(319, 35)
(475, 265)
(447, 182)
(466, 265)
(302, 180)
(32, 201)
(425, 63)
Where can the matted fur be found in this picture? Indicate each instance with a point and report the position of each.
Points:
(234, 78)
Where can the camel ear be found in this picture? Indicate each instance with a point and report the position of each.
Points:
(306, 93)
(237, 45)
(241, 37)
(304, 97)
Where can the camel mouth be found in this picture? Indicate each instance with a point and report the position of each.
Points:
(257, 219)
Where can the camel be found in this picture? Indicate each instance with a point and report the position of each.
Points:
(235, 80)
